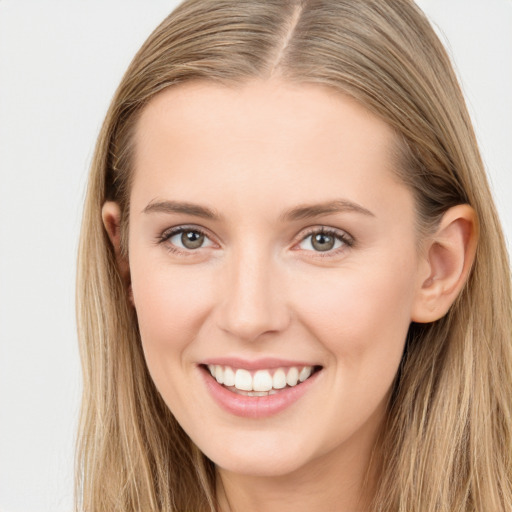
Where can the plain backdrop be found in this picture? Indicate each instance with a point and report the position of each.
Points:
(60, 62)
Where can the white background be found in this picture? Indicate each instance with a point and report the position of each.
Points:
(60, 62)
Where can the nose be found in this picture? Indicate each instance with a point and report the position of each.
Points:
(253, 296)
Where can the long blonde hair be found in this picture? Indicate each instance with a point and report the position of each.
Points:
(447, 442)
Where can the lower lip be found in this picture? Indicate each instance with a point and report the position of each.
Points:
(256, 406)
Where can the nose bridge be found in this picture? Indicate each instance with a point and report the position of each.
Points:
(253, 301)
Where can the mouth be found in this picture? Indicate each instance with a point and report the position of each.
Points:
(261, 383)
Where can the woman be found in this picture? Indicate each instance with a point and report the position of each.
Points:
(293, 286)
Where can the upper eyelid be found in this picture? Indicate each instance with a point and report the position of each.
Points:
(324, 229)
(169, 232)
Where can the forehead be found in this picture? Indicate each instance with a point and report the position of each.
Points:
(195, 110)
(202, 139)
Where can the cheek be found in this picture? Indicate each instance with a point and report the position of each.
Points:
(361, 313)
(171, 305)
(361, 317)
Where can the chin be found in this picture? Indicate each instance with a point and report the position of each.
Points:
(259, 459)
(260, 467)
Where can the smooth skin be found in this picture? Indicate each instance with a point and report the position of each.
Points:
(257, 286)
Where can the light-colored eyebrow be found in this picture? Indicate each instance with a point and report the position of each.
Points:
(306, 211)
(182, 207)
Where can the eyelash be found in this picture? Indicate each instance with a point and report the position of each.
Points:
(346, 240)
(341, 236)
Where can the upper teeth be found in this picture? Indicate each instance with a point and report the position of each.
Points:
(261, 380)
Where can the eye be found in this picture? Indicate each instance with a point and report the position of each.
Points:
(185, 239)
(325, 240)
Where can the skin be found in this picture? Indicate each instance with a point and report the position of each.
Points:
(257, 287)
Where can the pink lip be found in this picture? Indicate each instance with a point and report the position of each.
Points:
(267, 363)
(255, 407)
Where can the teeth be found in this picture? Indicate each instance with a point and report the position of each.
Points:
(229, 377)
(243, 380)
(305, 373)
(219, 374)
(279, 379)
(292, 376)
(262, 383)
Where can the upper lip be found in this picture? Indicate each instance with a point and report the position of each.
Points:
(265, 363)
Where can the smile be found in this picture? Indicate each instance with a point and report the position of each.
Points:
(260, 382)
(250, 390)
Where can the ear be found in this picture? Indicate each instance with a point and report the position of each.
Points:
(449, 256)
(111, 215)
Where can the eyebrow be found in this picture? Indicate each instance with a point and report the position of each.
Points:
(182, 207)
(306, 211)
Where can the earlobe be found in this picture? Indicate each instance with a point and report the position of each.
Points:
(111, 215)
(449, 256)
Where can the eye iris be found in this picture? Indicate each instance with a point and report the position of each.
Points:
(322, 242)
(192, 239)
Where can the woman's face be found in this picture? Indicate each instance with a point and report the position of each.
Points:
(269, 238)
